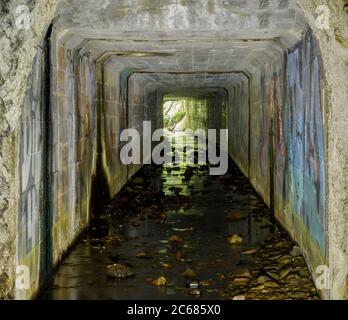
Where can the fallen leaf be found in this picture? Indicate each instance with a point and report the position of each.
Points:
(143, 255)
(195, 292)
(176, 239)
(166, 265)
(248, 252)
(239, 297)
(119, 271)
(235, 239)
(183, 229)
(160, 282)
(262, 279)
(221, 276)
(189, 273)
(240, 280)
(244, 273)
(179, 256)
(234, 216)
(271, 284)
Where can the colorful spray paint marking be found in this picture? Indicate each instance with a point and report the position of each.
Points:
(302, 172)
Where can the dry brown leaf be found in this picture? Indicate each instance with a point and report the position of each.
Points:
(160, 282)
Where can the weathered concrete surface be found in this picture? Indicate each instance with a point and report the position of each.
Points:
(286, 160)
(239, 115)
(333, 44)
(18, 48)
(33, 172)
(254, 39)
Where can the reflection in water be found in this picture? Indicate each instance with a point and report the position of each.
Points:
(186, 203)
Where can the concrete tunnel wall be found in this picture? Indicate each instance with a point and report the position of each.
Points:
(22, 47)
(206, 113)
(84, 88)
(58, 161)
(90, 104)
(260, 133)
(287, 142)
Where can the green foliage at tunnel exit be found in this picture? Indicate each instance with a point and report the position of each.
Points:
(188, 112)
(173, 114)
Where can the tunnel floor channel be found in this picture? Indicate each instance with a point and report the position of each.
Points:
(176, 232)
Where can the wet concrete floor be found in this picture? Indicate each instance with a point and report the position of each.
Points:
(175, 232)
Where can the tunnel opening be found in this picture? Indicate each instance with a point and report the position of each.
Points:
(190, 121)
(173, 113)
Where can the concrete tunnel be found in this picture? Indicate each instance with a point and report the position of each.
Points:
(269, 71)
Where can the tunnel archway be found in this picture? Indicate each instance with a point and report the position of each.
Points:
(111, 71)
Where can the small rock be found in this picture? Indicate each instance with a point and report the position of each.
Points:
(235, 239)
(143, 255)
(258, 288)
(240, 297)
(271, 284)
(293, 276)
(193, 284)
(189, 273)
(273, 275)
(298, 295)
(276, 257)
(206, 283)
(295, 252)
(119, 271)
(183, 229)
(244, 273)
(280, 244)
(166, 265)
(284, 260)
(242, 277)
(195, 292)
(176, 239)
(284, 273)
(234, 216)
(222, 277)
(249, 252)
(264, 291)
(179, 256)
(252, 296)
(240, 280)
(262, 279)
(160, 282)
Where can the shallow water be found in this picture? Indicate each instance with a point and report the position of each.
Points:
(184, 201)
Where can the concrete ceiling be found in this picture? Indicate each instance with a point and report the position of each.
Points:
(172, 81)
(199, 36)
(153, 19)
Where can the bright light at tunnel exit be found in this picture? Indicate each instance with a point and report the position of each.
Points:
(139, 150)
(174, 115)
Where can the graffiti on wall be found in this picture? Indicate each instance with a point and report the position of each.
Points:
(287, 144)
(32, 169)
(300, 170)
(56, 161)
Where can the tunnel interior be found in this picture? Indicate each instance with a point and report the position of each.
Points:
(252, 67)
